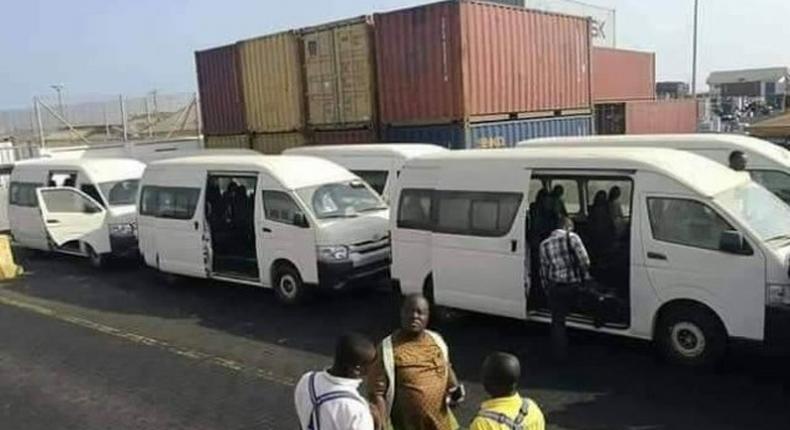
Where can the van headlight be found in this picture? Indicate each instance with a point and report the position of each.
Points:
(333, 253)
(778, 294)
(122, 229)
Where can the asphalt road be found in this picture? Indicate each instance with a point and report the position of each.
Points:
(124, 348)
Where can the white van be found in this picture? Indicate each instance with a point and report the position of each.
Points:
(285, 222)
(768, 163)
(700, 255)
(84, 207)
(376, 163)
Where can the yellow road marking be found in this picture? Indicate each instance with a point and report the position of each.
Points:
(192, 354)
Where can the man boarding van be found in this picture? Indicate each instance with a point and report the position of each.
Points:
(378, 164)
(286, 222)
(768, 164)
(695, 254)
(83, 207)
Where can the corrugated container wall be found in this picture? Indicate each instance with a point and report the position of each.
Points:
(461, 60)
(276, 143)
(219, 84)
(339, 137)
(272, 83)
(500, 134)
(339, 73)
(620, 75)
(661, 116)
(238, 141)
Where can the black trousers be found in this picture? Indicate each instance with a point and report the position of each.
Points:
(561, 298)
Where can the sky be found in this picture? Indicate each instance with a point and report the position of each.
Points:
(108, 47)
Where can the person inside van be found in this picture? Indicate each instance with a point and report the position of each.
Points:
(564, 265)
(616, 210)
(557, 202)
(601, 230)
(738, 161)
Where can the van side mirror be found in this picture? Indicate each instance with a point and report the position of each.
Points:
(732, 242)
(300, 220)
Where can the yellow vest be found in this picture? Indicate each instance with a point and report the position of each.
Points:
(509, 407)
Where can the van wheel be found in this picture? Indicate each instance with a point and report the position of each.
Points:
(691, 336)
(288, 285)
(97, 260)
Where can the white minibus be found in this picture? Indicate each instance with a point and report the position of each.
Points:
(692, 254)
(377, 163)
(286, 222)
(83, 206)
(768, 163)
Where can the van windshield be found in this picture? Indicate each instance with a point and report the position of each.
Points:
(758, 208)
(120, 193)
(341, 199)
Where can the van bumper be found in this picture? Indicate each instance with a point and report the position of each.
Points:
(124, 246)
(338, 275)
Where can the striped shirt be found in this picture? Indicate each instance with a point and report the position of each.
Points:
(557, 265)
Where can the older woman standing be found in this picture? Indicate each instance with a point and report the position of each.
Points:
(412, 379)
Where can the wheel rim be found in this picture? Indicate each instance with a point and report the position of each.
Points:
(688, 339)
(288, 286)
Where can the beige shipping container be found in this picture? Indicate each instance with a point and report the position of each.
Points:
(340, 73)
(272, 83)
(275, 143)
(234, 141)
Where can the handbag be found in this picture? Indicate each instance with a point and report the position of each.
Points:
(592, 298)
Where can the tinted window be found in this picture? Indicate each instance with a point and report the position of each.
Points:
(686, 222)
(169, 202)
(608, 186)
(414, 210)
(23, 194)
(775, 181)
(121, 193)
(279, 207)
(91, 190)
(476, 213)
(377, 179)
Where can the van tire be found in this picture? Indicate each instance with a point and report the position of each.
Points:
(288, 285)
(97, 260)
(691, 336)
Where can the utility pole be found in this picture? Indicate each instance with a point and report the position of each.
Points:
(59, 89)
(694, 59)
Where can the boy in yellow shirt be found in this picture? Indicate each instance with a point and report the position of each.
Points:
(505, 409)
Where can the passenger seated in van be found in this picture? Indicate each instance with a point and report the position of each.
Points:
(738, 161)
(601, 227)
(616, 210)
(558, 204)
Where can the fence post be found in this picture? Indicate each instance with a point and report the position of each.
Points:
(37, 109)
(198, 119)
(123, 118)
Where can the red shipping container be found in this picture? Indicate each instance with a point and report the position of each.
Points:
(340, 137)
(661, 117)
(221, 97)
(460, 60)
(620, 75)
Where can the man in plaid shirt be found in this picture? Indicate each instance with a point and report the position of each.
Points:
(564, 264)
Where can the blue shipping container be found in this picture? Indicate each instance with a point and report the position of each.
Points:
(500, 134)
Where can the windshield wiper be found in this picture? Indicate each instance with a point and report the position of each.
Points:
(374, 208)
(339, 216)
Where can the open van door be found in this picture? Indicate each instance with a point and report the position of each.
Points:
(71, 215)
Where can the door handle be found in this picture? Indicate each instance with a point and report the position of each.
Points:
(267, 230)
(513, 245)
(656, 256)
(53, 221)
(196, 224)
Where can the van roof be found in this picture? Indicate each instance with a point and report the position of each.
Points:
(98, 169)
(292, 171)
(402, 150)
(750, 145)
(696, 172)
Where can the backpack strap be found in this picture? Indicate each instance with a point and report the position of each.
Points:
(388, 359)
(318, 401)
(502, 419)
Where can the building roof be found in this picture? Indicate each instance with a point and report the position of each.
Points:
(401, 150)
(291, 171)
(769, 74)
(694, 171)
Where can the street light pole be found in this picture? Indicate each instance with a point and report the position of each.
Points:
(59, 89)
(694, 59)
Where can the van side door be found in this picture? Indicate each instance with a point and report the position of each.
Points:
(24, 215)
(478, 252)
(71, 215)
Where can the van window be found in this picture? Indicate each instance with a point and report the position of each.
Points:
(686, 222)
(775, 181)
(91, 190)
(341, 199)
(414, 210)
(476, 213)
(757, 208)
(571, 197)
(280, 207)
(68, 201)
(169, 202)
(377, 179)
(594, 186)
(121, 193)
(23, 194)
